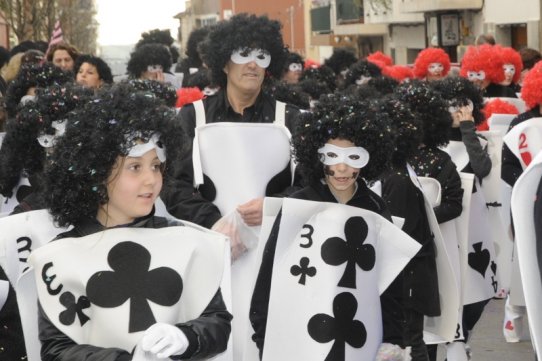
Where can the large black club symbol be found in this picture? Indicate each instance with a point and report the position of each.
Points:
(335, 251)
(132, 280)
(342, 328)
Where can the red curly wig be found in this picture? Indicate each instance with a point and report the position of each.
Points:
(496, 106)
(380, 59)
(311, 64)
(398, 72)
(485, 58)
(511, 56)
(429, 56)
(188, 96)
(531, 91)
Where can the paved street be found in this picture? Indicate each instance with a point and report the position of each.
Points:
(488, 343)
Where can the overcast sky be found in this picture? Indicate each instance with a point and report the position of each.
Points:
(123, 21)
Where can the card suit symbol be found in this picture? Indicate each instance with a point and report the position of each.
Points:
(335, 251)
(479, 259)
(493, 267)
(303, 269)
(67, 317)
(342, 329)
(132, 280)
(509, 325)
(526, 157)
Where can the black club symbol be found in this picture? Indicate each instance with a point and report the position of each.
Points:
(303, 269)
(343, 328)
(335, 251)
(67, 299)
(132, 280)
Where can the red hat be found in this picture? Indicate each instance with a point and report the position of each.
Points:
(484, 58)
(511, 56)
(531, 91)
(188, 96)
(398, 72)
(496, 106)
(380, 59)
(429, 56)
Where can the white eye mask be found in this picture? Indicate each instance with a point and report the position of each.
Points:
(363, 80)
(48, 140)
(245, 56)
(473, 75)
(295, 67)
(435, 68)
(154, 143)
(455, 108)
(355, 157)
(509, 69)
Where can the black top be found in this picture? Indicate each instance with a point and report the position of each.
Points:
(436, 163)
(479, 161)
(207, 335)
(195, 205)
(511, 167)
(538, 225)
(363, 198)
(499, 91)
(11, 332)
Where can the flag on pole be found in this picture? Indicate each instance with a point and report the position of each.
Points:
(57, 35)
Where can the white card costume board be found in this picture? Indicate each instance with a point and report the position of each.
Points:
(19, 235)
(500, 122)
(22, 189)
(523, 197)
(478, 257)
(442, 328)
(240, 159)
(135, 276)
(331, 264)
(492, 186)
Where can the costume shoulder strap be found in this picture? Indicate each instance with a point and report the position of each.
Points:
(280, 113)
(200, 113)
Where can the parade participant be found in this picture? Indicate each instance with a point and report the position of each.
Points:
(361, 73)
(340, 145)
(240, 53)
(495, 106)
(529, 57)
(380, 59)
(401, 73)
(469, 153)
(104, 176)
(293, 67)
(483, 66)
(431, 64)
(339, 61)
(192, 62)
(91, 71)
(62, 55)
(149, 61)
(512, 67)
(417, 286)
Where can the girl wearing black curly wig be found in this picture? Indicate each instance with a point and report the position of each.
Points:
(149, 61)
(416, 288)
(92, 71)
(293, 67)
(106, 172)
(338, 126)
(360, 73)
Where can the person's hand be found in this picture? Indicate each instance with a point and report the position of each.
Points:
(229, 229)
(163, 340)
(252, 212)
(464, 114)
(157, 75)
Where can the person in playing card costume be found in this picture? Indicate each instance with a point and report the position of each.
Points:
(337, 149)
(512, 67)
(104, 177)
(417, 285)
(431, 64)
(469, 152)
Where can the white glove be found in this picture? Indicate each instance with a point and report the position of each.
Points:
(164, 340)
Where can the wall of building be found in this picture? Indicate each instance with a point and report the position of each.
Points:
(405, 38)
(520, 11)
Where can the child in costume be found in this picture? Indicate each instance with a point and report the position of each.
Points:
(431, 64)
(104, 176)
(512, 67)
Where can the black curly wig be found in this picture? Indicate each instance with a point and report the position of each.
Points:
(148, 54)
(287, 93)
(292, 58)
(104, 71)
(193, 58)
(384, 84)
(161, 37)
(323, 74)
(97, 134)
(457, 90)
(20, 151)
(33, 75)
(165, 91)
(408, 128)
(429, 106)
(341, 59)
(200, 79)
(338, 116)
(358, 69)
(239, 32)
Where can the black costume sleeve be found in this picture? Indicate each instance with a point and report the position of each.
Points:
(11, 333)
(511, 167)
(56, 346)
(400, 196)
(259, 305)
(181, 198)
(451, 193)
(478, 157)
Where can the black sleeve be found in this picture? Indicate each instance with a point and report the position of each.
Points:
(181, 198)
(400, 196)
(208, 334)
(259, 305)
(56, 346)
(511, 167)
(11, 333)
(451, 193)
(478, 157)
